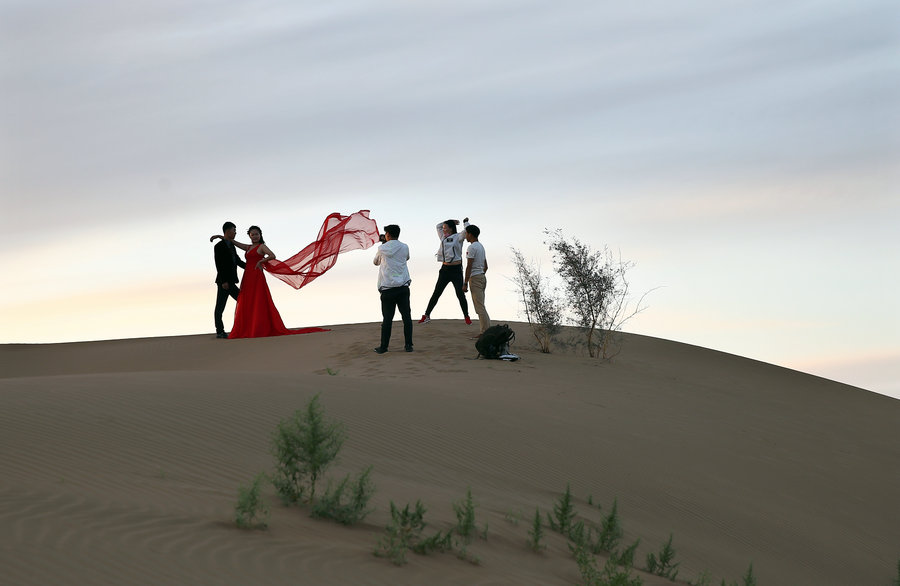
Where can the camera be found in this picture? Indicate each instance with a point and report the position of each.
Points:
(381, 238)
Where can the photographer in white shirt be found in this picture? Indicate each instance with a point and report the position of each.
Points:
(393, 285)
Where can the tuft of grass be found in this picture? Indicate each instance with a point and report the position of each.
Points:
(897, 580)
(704, 579)
(465, 517)
(612, 574)
(346, 502)
(251, 511)
(661, 564)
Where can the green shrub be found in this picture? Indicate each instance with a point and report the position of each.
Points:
(610, 530)
(465, 517)
(251, 511)
(536, 533)
(346, 502)
(563, 513)
(405, 533)
(612, 573)
(662, 565)
(897, 581)
(304, 446)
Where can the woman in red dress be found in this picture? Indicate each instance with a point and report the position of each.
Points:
(256, 315)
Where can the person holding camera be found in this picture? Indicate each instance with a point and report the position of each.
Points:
(393, 285)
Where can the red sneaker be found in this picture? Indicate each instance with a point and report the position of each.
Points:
(425, 319)
(468, 321)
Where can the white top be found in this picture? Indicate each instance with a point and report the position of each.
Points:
(451, 246)
(475, 251)
(391, 260)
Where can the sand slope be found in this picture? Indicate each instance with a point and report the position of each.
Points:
(121, 459)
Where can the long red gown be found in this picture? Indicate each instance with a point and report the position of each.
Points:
(256, 315)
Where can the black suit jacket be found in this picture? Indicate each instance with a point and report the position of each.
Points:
(227, 262)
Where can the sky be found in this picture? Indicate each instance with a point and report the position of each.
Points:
(744, 156)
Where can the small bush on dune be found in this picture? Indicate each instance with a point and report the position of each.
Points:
(346, 502)
(304, 446)
(543, 309)
(536, 533)
(661, 564)
(251, 511)
(612, 574)
(405, 534)
(563, 513)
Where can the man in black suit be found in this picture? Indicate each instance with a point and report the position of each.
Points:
(227, 262)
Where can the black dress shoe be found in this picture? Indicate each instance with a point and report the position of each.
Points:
(380, 350)
(222, 336)
(408, 348)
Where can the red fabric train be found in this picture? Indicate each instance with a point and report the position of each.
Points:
(338, 234)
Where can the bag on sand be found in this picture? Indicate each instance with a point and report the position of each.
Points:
(494, 343)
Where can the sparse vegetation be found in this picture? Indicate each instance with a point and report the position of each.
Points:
(612, 574)
(405, 534)
(536, 533)
(563, 513)
(304, 446)
(597, 291)
(346, 502)
(543, 310)
(465, 517)
(251, 510)
(610, 530)
(897, 579)
(662, 564)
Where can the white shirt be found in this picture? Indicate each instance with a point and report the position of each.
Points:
(475, 251)
(451, 246)
(391, 260)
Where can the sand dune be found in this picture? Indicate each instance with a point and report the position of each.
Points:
(121, 459)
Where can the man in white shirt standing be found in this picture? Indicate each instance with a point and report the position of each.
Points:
(393, 284)
(476, 267)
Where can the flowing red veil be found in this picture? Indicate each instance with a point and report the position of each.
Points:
(338, 234)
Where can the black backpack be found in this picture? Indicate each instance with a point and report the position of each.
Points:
(494, 341)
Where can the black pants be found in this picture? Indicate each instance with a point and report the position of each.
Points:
(221, 298)
(392, 299)
(449, 274)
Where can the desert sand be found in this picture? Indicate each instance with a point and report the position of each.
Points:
(121, 460)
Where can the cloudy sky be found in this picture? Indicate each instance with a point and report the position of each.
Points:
(744, 155)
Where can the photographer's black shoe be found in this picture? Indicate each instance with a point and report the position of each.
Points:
(408, 348)
(380, 350)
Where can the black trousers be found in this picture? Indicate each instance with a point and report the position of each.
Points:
(391, 300)
(221, 298)
(449, 274)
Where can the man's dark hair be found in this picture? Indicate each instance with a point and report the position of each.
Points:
(393, 230)
(227, 226)
(473, 230)
(452, 225)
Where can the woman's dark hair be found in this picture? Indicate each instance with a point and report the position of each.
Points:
(452, 225)
(258, 229)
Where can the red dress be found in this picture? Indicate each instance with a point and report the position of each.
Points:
(256, 315)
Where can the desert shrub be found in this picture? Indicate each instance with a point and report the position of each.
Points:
(304, 446)
(465, 517)
(610, 530)
(543, 310)
(404, 533)
(251, 510)
(661, 564)
(625, 557)
(597, 291)
(612, 573)
(704, 579)
(563, 513)
(536, 533)
(897, 580)
(346, 502)
(748, 579)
